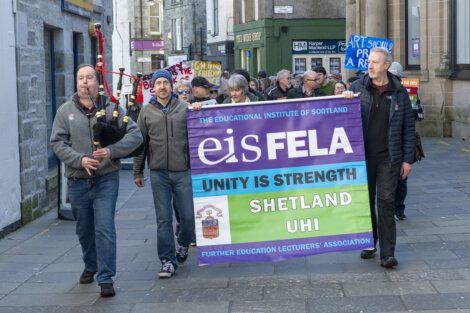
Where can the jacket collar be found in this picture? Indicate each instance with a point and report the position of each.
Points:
(395, 82)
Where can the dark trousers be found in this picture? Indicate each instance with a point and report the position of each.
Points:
(382, 180)
(400, 196)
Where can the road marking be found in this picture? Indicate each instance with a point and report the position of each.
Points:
(444, 143)
(466, 150)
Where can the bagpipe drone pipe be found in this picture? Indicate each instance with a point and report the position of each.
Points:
(107, 131)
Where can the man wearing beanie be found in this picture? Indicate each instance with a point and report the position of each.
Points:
(163, 125)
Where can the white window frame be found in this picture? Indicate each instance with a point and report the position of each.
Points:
(159, 17)
(242, 11)
(215, 16)
(255, 10)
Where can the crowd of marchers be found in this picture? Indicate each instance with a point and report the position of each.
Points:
(388, 124)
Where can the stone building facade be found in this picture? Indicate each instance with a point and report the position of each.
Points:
(432, 42)
(138, 37)
(51, 42)
(185, 29)
(220, 32)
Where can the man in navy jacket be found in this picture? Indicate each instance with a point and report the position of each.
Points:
(389, 138)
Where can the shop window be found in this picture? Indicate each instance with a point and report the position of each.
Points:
(157, 61)
(460, 39)
(245, 55)
(300, 65)
(413, 35)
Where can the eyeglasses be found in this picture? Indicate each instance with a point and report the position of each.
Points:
(312, 80)
(185, 91)
(213, 91)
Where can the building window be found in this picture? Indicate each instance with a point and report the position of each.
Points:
(177, 33)
(175, 1)
(242, 12)
(460, 47)
(155, 18)
(300, 65)
(413, 35)
(255, 10)
(335, 66)
(314, 62)
(216, 17)
(462, 32)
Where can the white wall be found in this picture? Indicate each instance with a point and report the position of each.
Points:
(225, 21)
(10, 190)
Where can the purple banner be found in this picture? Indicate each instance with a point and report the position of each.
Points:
(147, 44)
(283, 249)
(275, 135)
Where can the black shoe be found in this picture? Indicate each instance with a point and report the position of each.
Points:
(400, 216)
(168, 270)
(86, 277)
(368, 253)
(107, 290)
(389, 262)
(181, 254)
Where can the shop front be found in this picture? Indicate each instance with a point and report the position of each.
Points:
(293, 44)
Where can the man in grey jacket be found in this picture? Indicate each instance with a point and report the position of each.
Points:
(93, 176)
(163, 124)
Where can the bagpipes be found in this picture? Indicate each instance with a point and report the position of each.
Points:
(107, 132)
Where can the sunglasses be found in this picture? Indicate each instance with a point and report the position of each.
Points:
(213, 91)
(185, 91)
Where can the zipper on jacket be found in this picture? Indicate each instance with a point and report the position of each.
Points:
(91, 134)
(167, 147)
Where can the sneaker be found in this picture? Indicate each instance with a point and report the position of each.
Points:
(389, 262)
(168, 270)
(181, 254)
(368, 253)
(400, 216)
(86, 277)
(107, 290)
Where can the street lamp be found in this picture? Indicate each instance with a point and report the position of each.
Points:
(151, 2)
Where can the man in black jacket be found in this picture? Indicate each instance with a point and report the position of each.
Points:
(308, 89)
(282, 87)
(389, 138)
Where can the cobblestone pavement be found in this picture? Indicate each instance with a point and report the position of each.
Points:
(40, 263)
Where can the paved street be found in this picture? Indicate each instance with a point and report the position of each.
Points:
(40, 263)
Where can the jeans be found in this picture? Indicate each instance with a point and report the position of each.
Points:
(94, 205)
(168, 185)
(382, 182)
(400, 196)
